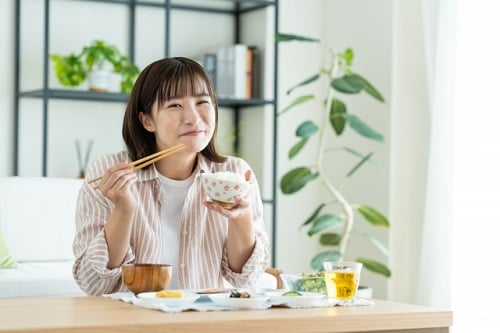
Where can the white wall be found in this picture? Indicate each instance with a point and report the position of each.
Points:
(296, 62)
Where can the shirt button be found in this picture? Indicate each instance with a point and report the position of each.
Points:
(183, 266)
(185, 232)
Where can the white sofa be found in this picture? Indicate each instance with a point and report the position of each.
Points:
(37, 218)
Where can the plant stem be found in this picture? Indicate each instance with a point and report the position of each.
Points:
(345, 206)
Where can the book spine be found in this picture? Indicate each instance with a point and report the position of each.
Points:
(221, 72)
(210, 65)
(240, 71)
(231, 71)
(251, 82)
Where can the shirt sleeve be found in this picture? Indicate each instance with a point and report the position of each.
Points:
(260, 258)
(90, 247)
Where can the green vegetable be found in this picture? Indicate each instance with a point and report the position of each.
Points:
(310, 282)
(291, 293)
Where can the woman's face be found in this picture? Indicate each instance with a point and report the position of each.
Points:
(186, 119)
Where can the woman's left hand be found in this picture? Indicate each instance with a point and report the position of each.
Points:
(241, 207)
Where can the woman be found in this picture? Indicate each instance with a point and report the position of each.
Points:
(159, 214)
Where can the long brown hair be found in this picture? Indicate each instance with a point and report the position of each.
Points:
(159, 80)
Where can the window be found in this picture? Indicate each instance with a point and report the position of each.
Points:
(476, 197)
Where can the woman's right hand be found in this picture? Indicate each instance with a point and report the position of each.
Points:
(116, 186)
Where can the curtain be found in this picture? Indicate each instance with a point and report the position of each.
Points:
(459, 241)
(434, 268)
(454, 254)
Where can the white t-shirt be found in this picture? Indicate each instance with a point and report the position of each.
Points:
(173, 194)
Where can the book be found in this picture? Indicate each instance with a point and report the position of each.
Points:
(251, 78)
(231, 71)
(210, 65)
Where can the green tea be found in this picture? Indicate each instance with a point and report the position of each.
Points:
(341, 285)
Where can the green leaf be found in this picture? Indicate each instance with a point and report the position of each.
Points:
(348, 84)
(360, 163)
(378, 244)
(325, 221)
(303, 83)
(297, 148)
(337, 119)
(360, 155)
(314, 214)
(298, 101)
(375, 266)
(69, 70)
(279, 37)
(363, 129)
(370, 89)
(317, 261)
(329, 239)
(372, 215)
(306, 129)
(296, 179)
(348, 56)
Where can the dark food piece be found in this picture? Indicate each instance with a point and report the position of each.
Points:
(237, 294)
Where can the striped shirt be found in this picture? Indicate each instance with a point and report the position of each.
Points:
(203, 261)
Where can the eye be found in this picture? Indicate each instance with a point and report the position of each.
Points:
(174, 106)
(204, 101)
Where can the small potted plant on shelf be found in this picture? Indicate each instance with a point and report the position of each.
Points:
(333, 219)
(93, 63)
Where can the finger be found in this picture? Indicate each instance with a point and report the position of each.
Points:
(116, 177)
(116, 182)
(218, 208)
(125, 181)
(110, 171)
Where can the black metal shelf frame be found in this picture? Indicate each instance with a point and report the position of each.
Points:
(231, 7)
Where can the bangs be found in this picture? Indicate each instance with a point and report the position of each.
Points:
(182, 81)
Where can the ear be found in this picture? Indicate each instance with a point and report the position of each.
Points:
(146, 121)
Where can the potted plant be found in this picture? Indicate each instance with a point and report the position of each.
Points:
(333, 219)
(90, 63)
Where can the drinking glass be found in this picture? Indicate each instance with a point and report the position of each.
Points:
(342, 279)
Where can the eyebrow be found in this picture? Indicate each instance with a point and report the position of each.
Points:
(204, 94)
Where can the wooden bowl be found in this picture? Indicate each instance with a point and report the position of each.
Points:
(146, 277)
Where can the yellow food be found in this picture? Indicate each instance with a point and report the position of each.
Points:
(170, 294)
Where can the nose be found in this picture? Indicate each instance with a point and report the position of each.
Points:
(190, 114)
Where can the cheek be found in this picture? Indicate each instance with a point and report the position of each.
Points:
(209, 118)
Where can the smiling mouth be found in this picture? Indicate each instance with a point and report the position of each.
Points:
(193, 133)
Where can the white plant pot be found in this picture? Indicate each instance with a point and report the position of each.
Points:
(99, 80)
(364, 292)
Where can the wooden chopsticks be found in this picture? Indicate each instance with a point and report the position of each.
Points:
(145, 161)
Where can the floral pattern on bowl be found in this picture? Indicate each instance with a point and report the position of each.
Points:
(224, 186)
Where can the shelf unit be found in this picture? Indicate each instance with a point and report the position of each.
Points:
(236, 9)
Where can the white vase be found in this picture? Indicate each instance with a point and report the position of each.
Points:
(365, 292)
(99, 80)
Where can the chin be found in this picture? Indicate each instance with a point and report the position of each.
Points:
(195, 146)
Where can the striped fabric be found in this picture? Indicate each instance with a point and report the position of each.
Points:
(203, 260)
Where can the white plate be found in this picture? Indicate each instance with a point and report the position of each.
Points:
(150, 298)
(238, 303)
(305, 299)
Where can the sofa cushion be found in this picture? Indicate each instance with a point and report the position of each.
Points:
(39, 279)
(37, 216)
(6, 259)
